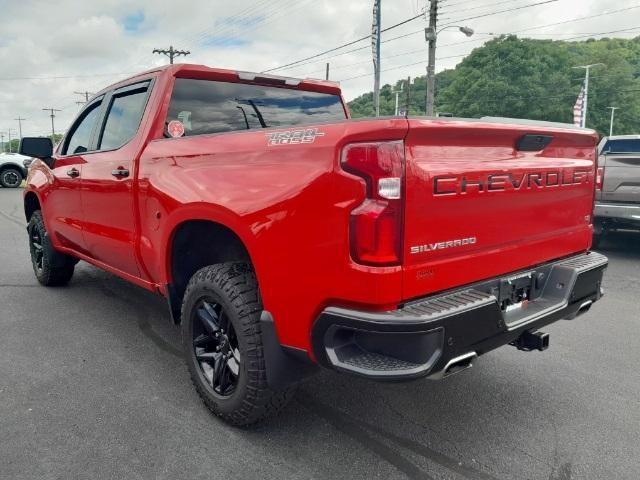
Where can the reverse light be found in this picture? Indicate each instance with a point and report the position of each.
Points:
(599, 178)
(389, 188)
(375, 228)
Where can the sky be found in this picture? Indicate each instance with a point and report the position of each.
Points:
(49, 50)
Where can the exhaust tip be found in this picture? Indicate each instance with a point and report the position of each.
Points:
(456, 365)
(585, 307)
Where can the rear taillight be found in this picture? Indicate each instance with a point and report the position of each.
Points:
(599, 178)
(375, 228)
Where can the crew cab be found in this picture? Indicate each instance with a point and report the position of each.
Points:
(286, 236)
(618, 185)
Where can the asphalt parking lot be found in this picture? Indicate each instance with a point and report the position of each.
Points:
(92, 385)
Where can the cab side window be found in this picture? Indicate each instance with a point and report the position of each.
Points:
(123, 118)
(79, 138)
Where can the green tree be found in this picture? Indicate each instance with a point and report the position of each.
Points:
(524, 78)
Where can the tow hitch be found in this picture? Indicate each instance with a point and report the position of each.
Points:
(532, 341)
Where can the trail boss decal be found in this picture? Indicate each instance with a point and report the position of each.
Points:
(294, 137)
(498, 182)
(430, 247)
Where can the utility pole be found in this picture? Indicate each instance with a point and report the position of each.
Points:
(586, 89)
(613, 109)
(9, 133)
(2, 141)
(326, 77)
(408, 104)
(397, 92)
(52, 115)
(85, 94)
(171, 53)
(375, 43)
(431, 66)
(20, 120)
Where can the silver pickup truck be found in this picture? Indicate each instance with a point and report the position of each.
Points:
(617, 185)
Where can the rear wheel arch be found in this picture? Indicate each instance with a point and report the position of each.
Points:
(194, 244)
(31, 204)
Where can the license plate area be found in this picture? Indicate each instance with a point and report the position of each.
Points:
(515, 293)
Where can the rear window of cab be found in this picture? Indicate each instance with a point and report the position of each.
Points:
(208, 106)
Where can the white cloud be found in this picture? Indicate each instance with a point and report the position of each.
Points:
(84, 41)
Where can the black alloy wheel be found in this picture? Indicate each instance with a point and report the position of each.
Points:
(215, 346)
(37, 249)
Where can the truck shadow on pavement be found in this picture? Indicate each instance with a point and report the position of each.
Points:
(415, 427)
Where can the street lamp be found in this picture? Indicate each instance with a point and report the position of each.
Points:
(397, 92)
(613, 109)
(431, 35)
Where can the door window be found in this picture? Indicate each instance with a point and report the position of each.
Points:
(123, 118)
(78, 141)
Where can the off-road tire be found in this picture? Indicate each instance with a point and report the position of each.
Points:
(235, 288)
(55, 268)
(11, 178)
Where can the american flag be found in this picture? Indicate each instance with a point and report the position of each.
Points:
(578, 109)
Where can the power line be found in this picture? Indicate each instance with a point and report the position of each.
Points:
(256, 11)
(446, 6)
(62, 77)
(353, 42)
(501, 11)
(503, 33)
(394, 38)
(421, 62)
(464, 55)
(580, 18)
(464, 2)
(421, 50)
(274, 15)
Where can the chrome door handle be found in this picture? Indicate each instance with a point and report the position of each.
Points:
(73, 172)
(120, 172)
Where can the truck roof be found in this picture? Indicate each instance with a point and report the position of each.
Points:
(623, 137)
(190, 70)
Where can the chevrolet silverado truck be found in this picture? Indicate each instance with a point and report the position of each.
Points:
(617, 185)
(286, 236)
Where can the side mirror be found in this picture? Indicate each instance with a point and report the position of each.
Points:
(38, 147)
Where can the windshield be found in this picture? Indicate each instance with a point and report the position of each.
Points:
(206, 106)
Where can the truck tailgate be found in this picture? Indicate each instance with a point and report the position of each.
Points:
(621, 178)
(477, 206)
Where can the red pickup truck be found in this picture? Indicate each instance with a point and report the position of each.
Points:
(285, 235)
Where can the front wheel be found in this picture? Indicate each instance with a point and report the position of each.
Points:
(51, 268)
(11, 178)
(223, 344)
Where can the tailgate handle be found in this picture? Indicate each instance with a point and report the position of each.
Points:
(531, 142)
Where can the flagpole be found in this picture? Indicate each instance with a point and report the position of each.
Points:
(583, 123)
